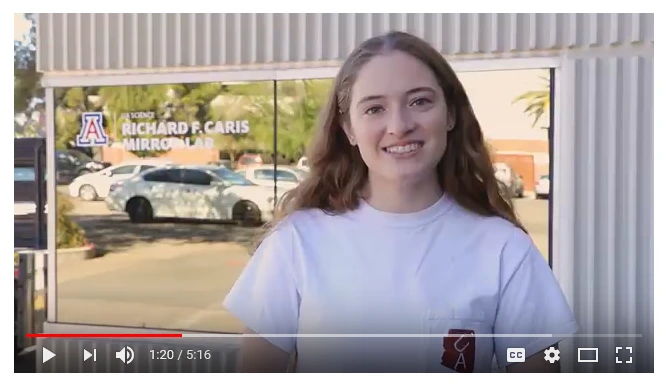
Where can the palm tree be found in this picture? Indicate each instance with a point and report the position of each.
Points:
(537, 102)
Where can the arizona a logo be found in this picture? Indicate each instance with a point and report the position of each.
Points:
(92, 130)
(459, 350)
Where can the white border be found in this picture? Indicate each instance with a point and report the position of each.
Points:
(51, 206)
(263, 74)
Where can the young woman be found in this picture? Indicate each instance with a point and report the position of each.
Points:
(399, 252)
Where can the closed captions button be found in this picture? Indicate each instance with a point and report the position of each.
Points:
(516, 354)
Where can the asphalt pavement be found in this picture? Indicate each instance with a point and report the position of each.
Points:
(174, 274)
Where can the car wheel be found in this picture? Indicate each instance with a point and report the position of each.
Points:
(246, 213)
(87, 193)
(139, 210)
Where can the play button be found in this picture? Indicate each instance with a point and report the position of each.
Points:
(47, 355)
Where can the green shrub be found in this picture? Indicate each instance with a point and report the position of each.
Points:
(69, 233)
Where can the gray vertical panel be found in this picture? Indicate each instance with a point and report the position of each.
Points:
(231, 38)
(177, 49)
(253, 40)
(434, 30)
(157, 40)
(281, 34)
(60, 45)
(170, 44)
(245, 41)
(217, 41)
(314, 30)
(85, 39)
(646, 25)
(331, 39)
(128, 43)
(204, 38)
(345, 33)
(113, 40)
(613, 233)
(645, 209)
(97, 32)
(144, 43)
(187, 53)
(292, 45)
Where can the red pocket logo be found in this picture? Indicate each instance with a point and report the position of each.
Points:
(459, 350)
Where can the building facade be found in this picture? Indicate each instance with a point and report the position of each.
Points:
(601, 137)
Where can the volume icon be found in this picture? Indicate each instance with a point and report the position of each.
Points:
(126, 355)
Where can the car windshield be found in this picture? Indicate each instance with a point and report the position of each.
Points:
(231, 177)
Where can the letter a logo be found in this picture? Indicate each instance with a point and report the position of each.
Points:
(459, 350)
(92, 132)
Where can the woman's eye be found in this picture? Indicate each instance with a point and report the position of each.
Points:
(420, 102)
(373, 110)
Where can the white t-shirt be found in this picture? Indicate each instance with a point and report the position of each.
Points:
(431, 274)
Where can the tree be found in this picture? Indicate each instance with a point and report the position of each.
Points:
(298, 111)
(28, 93)
(537, 101)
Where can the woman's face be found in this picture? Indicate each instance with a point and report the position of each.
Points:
(398, 118)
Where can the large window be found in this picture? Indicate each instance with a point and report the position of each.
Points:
(163, 188)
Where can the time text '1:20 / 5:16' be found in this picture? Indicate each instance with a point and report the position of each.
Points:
(180, 354)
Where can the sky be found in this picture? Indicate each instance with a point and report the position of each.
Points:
(21, 26)
(492, 94)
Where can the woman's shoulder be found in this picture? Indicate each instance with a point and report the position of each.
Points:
(304, 226)
(311, 218)
(502, 232)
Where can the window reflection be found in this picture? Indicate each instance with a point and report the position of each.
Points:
(154, 223)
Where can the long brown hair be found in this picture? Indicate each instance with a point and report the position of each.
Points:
(338, 174)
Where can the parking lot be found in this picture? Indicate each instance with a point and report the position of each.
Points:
(174, 274)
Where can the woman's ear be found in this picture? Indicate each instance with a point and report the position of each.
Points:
(451, 122)
(349, 133)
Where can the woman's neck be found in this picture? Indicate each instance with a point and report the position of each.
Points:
(402, 196)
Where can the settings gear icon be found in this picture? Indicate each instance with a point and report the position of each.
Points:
(552, 355)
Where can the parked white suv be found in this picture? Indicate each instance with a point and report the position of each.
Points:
(92, 186)
(193, 192)
(543, 187)
(303, 163)
(287, 177)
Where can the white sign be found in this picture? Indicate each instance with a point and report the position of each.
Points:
(163, 136)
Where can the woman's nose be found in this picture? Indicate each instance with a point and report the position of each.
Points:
(400, 122)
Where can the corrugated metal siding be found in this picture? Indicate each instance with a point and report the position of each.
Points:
(613, 205)
(90, 42)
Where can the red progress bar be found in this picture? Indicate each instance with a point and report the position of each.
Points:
(104, 335)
